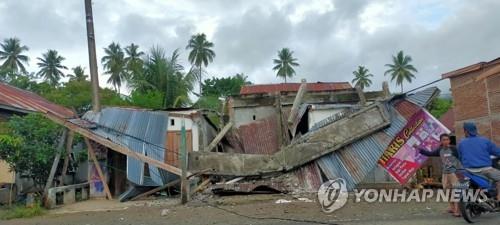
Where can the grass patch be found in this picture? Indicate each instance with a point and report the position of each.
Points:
(21, 211)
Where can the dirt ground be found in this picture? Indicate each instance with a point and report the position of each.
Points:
(255, 209)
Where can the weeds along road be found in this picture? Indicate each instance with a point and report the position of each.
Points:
(245, 210)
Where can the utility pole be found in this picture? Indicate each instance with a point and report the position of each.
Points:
(96, 106)
(183, 161)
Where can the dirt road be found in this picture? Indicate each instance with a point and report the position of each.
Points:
(246, 210)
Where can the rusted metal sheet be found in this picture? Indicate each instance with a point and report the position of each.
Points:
(406, 108)
(260, 137)
(309, 176)
(17, 99)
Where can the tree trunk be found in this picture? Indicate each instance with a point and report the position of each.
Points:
(401, 88)
(285, 79)
(200, 81)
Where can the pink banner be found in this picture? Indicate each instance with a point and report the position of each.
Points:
(401, 159)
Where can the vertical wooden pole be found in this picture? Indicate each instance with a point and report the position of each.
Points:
(69, 146)
(98, 168)
(52, 173)
(183, 162)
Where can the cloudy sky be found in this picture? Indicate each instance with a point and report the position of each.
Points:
(329, 38)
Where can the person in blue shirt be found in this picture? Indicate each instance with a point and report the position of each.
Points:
(475, 154)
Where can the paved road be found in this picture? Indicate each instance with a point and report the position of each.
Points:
(244, 210)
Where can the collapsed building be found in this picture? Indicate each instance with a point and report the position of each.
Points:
(306, 132)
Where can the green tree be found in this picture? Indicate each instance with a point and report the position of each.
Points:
(401, 70)
(134, 62)
(114, 64)
(30, 146)
(78, 74)
(165, 75)
(50, 67)
(440, 106)
(12, 53)
(284, 64)
(362, 77)
(77, 95)
(224, 87)
(201, 54)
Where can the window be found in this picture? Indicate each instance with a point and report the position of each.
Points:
(253, 117)
(172, 122)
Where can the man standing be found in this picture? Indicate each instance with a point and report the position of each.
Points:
(475, 154)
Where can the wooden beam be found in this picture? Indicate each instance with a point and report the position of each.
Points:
(69, 148)
(219, 136)
(98, 168)
(296, 103)
(113, 146)
(150, 192)
(53, 169)
(201, 186)
(183, 161)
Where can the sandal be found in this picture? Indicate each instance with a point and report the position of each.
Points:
(450, 211)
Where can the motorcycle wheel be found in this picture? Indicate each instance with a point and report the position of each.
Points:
(469, 211)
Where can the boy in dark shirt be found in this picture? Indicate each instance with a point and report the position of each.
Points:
(450, 162)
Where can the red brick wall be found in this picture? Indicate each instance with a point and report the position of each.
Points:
(479, 102)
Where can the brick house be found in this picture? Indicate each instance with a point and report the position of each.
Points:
(476, 98)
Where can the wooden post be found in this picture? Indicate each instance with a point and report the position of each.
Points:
(150, 192)
(219, 136)
(52, 173)
(296, 103)
(183, 162)
(98, 168)
(385, 89)
(69, 148)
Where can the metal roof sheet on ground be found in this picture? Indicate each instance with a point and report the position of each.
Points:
(293, 87)
(15, 98)
(357, 160)
(142, 131)
(424, 97)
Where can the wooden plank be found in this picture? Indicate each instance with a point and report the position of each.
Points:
(69, 148)
(201, 186)
(150, 192)
(113, 146)
(53, 169)
(219, 136)
(296, 103)
(98, 168)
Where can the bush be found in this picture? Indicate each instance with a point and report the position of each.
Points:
(21, 211)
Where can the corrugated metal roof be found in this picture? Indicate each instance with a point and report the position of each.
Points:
(260, 137)
(141, 131)
(23, 100)
(357, 160)
(423, 98)
(294, 87)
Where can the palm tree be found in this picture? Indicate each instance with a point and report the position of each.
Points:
(285, 63)
(401, 69)
(133, 60)
(78, 74)
(114, 64)
(50, 67)
(362, 77)
(201, 53)
(12, 53)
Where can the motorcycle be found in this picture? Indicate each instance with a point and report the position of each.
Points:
(471, 209)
